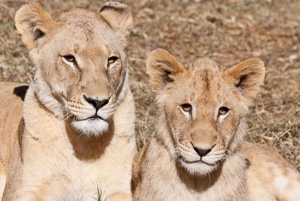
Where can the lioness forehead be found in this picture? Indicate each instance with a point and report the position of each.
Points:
(83, 23)
(79, 17)
(87, 32)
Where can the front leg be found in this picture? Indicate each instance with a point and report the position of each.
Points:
(2, 180)
(15, 190)
(21, 196)
(119, 196)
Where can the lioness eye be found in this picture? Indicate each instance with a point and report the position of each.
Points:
(69, 59)
(112, 60)
(223, 110)
(186, 107)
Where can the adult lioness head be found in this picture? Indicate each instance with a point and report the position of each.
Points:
(203, 105)
(80, 62)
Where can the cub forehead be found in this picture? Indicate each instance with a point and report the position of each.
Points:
(205, 65)
(203, 82)
(204, 74)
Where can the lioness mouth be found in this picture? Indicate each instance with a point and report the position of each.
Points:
(95, 117)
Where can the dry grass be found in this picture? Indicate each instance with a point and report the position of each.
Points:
(227, 31)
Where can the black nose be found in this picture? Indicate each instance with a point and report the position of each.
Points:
(202, 152)
(97, 103)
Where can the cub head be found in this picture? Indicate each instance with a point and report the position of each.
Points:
(203, 107)
(80, 63)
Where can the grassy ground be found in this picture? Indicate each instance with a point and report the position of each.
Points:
(227, 31)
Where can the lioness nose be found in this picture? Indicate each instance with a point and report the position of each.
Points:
(202, 152)
(97, 103)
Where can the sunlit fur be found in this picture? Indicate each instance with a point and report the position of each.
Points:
(171, 168)
(61, 143)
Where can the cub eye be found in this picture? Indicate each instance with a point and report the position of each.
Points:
(112, 60)
(223, 110)
(69, 59)
(186, 107)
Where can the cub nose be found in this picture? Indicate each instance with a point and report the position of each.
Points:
(97, 104)
(202, 152)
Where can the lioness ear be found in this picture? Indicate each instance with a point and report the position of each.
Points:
(32, 22)
(117, 15)
(162, 67)
(247, 77)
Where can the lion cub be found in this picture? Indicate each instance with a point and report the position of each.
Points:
(73, 137)
(197, 152)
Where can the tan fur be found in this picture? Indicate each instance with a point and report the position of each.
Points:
(197, 152)
(73, 136)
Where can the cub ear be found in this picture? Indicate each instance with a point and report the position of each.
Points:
(162, 67)
(33, 23)
(117, 15)
(247, 77)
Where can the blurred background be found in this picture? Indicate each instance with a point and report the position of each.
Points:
(228, 31)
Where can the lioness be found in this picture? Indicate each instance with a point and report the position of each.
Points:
(197, 152)
(76, 138)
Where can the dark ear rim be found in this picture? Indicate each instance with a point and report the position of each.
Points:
(247, 77)
(116, 6)
(33, 22)
(123, 15)
(162, 68)
(38, 33)
(252, 63)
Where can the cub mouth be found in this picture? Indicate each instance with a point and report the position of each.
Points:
(199, 167)
(200, 161)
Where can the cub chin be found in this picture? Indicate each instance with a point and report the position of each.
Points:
(197, 151)
(73, 136)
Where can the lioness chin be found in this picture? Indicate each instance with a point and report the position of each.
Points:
(73, 136)
(197, 151)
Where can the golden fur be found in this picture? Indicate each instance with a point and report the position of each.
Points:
(73, 137)
(197, 152)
